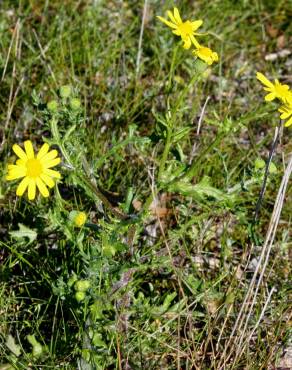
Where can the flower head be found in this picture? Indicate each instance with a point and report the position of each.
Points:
(80, 219)
(35, 171)
(286, 111)
(206, 54)
(276, 90)
(186, 30)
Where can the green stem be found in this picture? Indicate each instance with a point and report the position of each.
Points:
(147, 204)
(197, 161)
(185, 91)
(59, 142)
(172, 67)
(168, 142)
(166, 150)
(87, 183)
(171, 124)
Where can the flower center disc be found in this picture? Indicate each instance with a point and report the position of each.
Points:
(34, 168)
(186, 28)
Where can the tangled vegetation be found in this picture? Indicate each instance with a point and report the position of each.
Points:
(145, 209)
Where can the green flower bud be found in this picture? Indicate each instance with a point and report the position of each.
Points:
(65, 91)
(75, 103)
(82, 285)
(259, 164)
(53, 106)
(80, 296)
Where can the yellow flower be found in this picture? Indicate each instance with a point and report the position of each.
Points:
(276, 90)
(35, 170)
(186, 30)
(80, 219)
(206, 54)
(286, 111)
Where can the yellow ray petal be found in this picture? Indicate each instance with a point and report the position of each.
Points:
(264, 80)
(195, 42)
(43, 151)
(16, 171)
(289, 122)
(19, 152)
(52, 163)
(16, 167)
(31, 189)
(52, 173)
(270, 96)
(169, 13)
(197, 24)
(47, 180)
(284, 87)
(15, 174)
(285, 115)
(177, 16)
(169, 24)
(215, 56)
(42, 187)
(177, 32)
(29, 149)
(187, 43)
(49, 156)
(286, 112)
(21, 162)
(22, 187)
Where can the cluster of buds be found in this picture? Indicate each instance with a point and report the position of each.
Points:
(65, 94)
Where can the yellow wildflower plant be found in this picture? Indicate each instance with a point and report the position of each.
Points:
(35, 170)
(206, 54)
(276, 90)
(186, 30)
(286, 111)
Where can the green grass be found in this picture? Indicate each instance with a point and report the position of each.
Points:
(167, 277)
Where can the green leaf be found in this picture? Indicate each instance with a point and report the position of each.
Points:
(180, 134)
(168, 299)
(13, 347)
(24, 232)
(200, 190)
(97, 340)
(160, 310)
(6, 367)
(37, 348)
